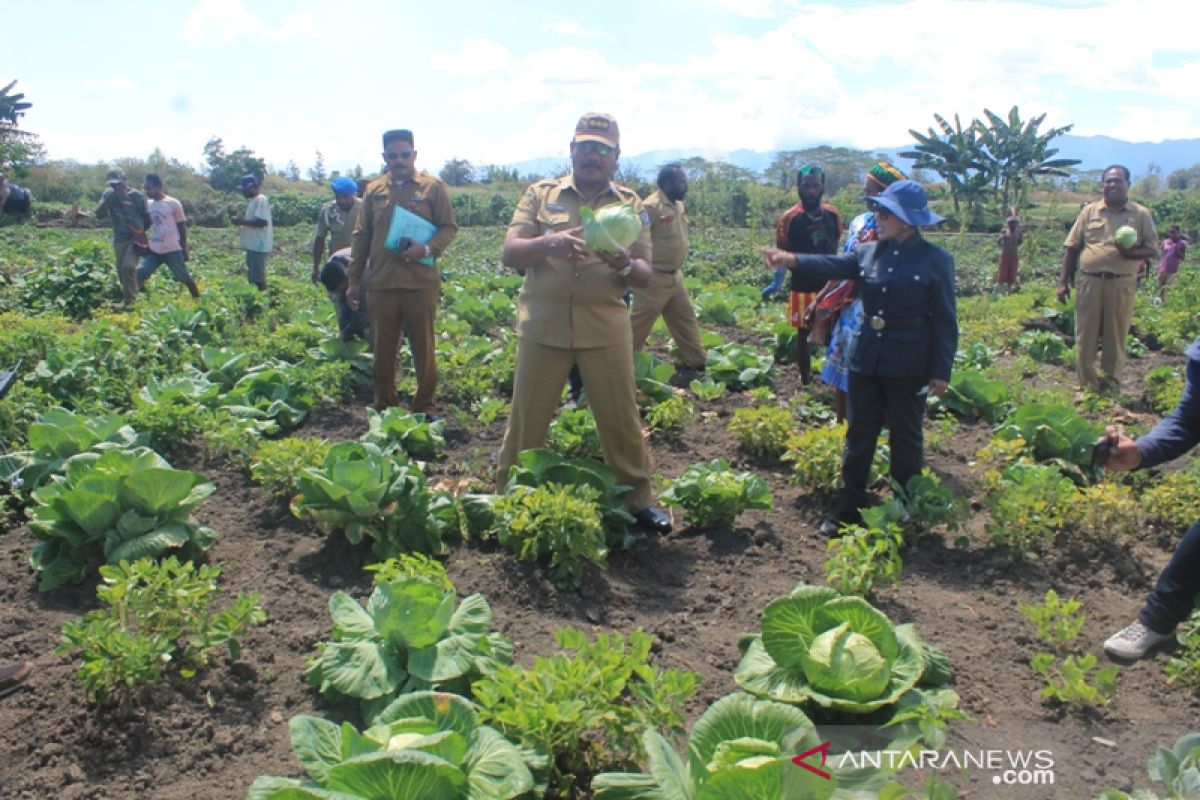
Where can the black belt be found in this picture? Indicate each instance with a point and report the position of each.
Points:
(1110, 275)
(878, 323)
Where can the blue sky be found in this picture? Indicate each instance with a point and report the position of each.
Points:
(500, 83)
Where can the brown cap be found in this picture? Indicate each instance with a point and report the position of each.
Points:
(597, 127)
(114, 176)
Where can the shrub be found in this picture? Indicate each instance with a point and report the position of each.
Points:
(574, 434)
(276, 465)
(763, 430)
(713, 495)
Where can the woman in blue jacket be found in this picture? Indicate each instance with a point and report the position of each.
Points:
(904, 350)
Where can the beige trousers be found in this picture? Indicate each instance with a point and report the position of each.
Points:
(666, 295)
(1103, 312)
(541, 373)
(395, 313)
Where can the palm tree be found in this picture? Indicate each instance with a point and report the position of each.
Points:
(1018, 154)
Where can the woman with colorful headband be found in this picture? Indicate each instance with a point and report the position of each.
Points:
(837, 313)
(905, 350)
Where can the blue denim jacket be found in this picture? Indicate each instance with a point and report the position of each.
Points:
(1179, 432)
(910, 286)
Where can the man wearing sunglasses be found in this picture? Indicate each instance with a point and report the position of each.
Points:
(402, 292)
(570, 312)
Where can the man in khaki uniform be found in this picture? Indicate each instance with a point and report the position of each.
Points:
(335, 221)
(1107, 276)
(666, 294)
(402, 292)
(570, 312)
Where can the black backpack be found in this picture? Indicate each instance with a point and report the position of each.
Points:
(19, 201)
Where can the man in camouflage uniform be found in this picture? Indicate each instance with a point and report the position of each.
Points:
(335, 221)
(570, 312)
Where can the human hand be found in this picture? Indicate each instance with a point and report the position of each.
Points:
(938, 387)
(185, 254)
(352, 295)
(774, 258)
(316, 276)
(567, 244)
(1123, 454)
(415, 251)
(1064, 291)
(616, 261)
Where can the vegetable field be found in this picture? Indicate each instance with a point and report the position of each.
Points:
(534, 647)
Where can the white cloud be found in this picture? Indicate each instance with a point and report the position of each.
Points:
(223, 22)
(755, 9)
(573, 29)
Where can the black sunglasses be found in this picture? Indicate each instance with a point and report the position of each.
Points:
(405, 156)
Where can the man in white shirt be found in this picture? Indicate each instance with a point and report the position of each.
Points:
(256, 231)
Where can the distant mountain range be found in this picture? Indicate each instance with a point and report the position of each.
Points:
(1095, 152)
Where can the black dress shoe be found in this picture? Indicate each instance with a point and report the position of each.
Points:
(12, 676)
(654, 520)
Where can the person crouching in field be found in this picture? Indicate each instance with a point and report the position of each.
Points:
(1010, 240)
(352, 322)
(1174, 251)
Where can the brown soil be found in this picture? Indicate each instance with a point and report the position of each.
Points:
(696, 590)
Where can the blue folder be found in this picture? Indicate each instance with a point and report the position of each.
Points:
(407, 224)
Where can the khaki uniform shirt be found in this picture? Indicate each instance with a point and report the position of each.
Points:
(1094, 232)
(338, 225)
(565, 303)
(424, 196)
(668, 232)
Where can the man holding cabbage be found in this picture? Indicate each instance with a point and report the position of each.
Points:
(1108, 242)
(581, 241)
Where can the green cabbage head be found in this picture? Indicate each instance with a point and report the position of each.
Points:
(843, 662)
(1126, 236)
(612, 228)
(837, 652)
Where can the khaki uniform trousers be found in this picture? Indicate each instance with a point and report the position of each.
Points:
(540, 374)
(127, 262)
(1103, 308)
(396, 312)
(666, 295)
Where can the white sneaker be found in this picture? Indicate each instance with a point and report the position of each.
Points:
(1134, 641)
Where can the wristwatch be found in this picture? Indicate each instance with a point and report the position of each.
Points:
(428, 250)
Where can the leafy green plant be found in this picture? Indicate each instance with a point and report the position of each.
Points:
(416, 434)
(652, 378)
(740, 747)
(273, 393)
(739, 366)
(1102, 510)
(836, 652)
(585, 708)
(1071, 681)
(410, 565)
(156, 614)
(1173, 501)
(276, 464)
(928, 503)
(707, 389)
(74, 282)
(1058, 621)
(113, 506)
(56, 436)
(713, 495)
(365, 492)
(763, 430)
(1029, 503)
(1164, 388)
(538, 467)
(1052, 432)
(1044, 346)
(574, 434)
(816, 457)
(410, 637)
(429, 745)
(972, 394)
(861, 556)
(559, 523)
(669, 418)
(490, 409)
(1184, 666)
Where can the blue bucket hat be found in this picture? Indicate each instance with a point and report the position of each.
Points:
(906, 199)
(247, 181)
(343, 185)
